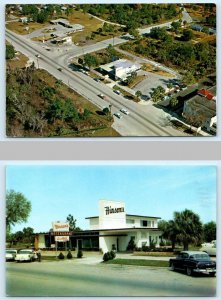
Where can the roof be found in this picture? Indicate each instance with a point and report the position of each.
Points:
(205, 93)
(125, 64)
(193, 252)
(128, 216)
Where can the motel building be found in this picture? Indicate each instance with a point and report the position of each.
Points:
(112, 229)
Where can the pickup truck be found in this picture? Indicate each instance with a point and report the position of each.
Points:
(193, 262)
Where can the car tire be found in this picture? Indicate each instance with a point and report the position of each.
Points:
(172, 267)
(189, 271)
(212, 274)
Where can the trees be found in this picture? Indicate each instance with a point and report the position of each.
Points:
(169, 231)
(189, 227)
(138, 94)
(173, 101)
(72, 223)
(90, 60)
(175, 26)
(157, 94)
(10, 52)
(185, 228)
(209, 231)
(18, 208)
(187, 35)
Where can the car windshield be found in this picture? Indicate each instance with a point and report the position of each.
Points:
(200, 256)
(25, 251)
(11, 251)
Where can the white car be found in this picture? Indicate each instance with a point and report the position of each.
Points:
(25, 255)
(209, 248)
(10, 254)
(123, 110)
(118, 115)
(117, 92)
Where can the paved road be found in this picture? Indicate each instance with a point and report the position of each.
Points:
(143, 120)
(66, 278)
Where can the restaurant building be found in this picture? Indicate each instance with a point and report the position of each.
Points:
(113, 228)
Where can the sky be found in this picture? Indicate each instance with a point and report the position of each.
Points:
(148, 190)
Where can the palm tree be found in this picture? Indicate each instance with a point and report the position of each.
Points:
(188, 226)
(169, 231)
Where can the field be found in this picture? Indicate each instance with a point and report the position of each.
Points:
(33, 106)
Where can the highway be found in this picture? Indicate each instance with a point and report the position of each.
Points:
(74, 278)
(142, 120)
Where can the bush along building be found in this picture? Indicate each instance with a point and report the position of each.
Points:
(112, 229)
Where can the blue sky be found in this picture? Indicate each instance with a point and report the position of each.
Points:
(154, 190)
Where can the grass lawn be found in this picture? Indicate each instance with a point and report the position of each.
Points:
(139, 262)
(20, 28)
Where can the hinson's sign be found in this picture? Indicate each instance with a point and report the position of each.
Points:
(109, 210)
(60, 226)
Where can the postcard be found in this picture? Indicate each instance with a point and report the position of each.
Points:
(111, 230)
(110, 70)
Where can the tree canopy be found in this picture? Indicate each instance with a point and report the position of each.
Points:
(72, 223)
(209, 231)
(185, 228)
(18, 208)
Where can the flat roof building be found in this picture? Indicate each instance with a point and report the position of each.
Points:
(112, 229)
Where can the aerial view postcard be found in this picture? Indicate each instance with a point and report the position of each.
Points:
(110, 230)
(111, 70)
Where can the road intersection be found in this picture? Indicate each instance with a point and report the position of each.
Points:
(144, 120)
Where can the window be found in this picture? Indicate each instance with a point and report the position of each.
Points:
(152, 223)
(144, 223)
(130, 221)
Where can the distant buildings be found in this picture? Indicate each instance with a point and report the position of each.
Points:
(200, 110)
(65, 23)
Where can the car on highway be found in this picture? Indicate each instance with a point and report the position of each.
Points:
(123, 110)
(102, 96)
(193, 262)
(209, 248)
(118, 115)
(10, 254)
(25, 255)
(37, 55)
(60, 69)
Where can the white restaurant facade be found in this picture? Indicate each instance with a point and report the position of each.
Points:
(113, 228)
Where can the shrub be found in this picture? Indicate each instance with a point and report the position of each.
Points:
(112, 254)
(61, 256)
(106, 256)
(79, 254)
(109, 256)
(69, 255)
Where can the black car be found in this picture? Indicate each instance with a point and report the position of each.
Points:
(193, 262)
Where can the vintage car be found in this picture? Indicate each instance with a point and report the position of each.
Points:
(209, 248)
(25, 255)
(10, 254)
(193, 262)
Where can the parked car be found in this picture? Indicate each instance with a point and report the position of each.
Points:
(118, 115)
(193, 262)
(117, 92)
(10, 254)
(209, 248)
(123, 110)
(25, 255)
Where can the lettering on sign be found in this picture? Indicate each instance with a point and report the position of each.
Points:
(110, 210)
